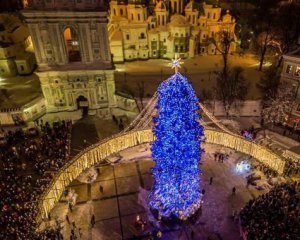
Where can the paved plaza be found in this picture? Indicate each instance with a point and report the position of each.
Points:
(116, 208)
(200, 71)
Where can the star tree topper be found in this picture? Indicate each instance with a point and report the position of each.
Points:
(176, 63)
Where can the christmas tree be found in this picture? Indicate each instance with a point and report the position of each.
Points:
(176, 150)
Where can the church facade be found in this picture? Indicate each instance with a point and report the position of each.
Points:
(172, 28)
(70, 40)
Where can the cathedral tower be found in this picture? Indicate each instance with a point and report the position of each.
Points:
(71, 46)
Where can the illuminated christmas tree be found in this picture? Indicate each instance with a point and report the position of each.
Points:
(176, 150)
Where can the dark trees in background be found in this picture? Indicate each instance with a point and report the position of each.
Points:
(10, 5)
(230, 88)
(269, 83)
(223, 40)
(288, 32)
(275, 26)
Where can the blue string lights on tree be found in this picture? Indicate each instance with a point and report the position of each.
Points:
(176, 150)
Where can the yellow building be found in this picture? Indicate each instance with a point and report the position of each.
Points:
(134, 35)
(14, 41)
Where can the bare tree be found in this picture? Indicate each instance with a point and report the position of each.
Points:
(264, 40)
(222, 41)
(230, 89)
(269, 84)
(288, 19)
(277, 107)
(141, 93)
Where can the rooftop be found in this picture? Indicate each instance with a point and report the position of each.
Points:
(96, 65)
(15, 92)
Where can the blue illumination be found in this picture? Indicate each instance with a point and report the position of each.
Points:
(176, 150)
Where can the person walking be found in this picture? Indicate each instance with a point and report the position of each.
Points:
(70, 207)
(192, 235)
(79, 232)
(74, 225)
(67, 219)
(233, 190)
(93, 221)
(101, 189)
(210, 180)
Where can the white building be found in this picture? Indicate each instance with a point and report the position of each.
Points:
(70, 41)
(291, 74)
(172, 29)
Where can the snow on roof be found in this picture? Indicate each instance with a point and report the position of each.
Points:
(118, 19)
(295, 149)
(178, 21)
(20, 34)
(116, 36)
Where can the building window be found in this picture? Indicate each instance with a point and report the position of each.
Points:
(22, 68)
(164, 40)
(208, 15)
(214, 17)
(121, 12)
(289, 69)
(181, 48)
(139, 17)
(114, 11)
(297, 71)
(49, 52)
(127, 36)
(154, 52)
(131, 16)
(142, 35)
(96, 51)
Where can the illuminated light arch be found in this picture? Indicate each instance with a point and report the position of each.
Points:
(98, 152)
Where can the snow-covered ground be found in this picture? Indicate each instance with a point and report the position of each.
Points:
(123, 177)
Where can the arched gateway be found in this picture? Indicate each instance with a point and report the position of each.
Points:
(98, 152)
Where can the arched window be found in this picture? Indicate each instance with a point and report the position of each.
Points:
(142, 35)
(114, 12)
(121, 12)
(72, 44)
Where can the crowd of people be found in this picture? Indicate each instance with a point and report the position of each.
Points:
(274, 215)
(28, 162)
(291, 168)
